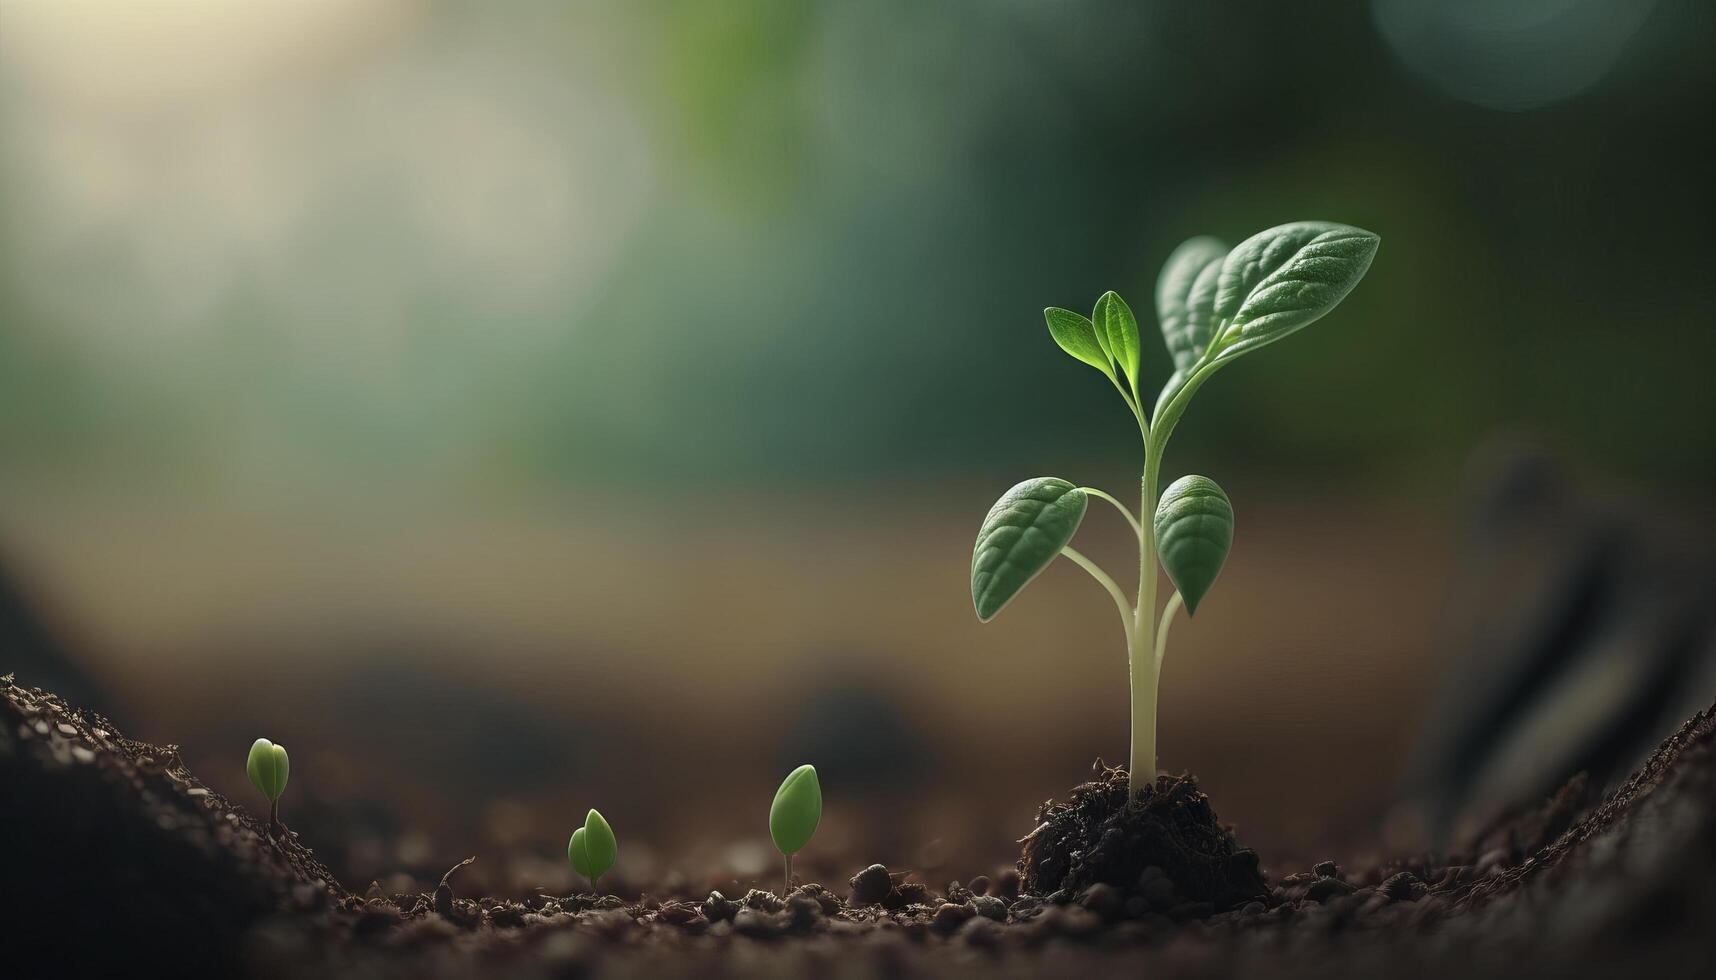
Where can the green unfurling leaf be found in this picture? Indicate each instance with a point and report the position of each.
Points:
(1077, 336)
(1194, 529)
(1117, 332)
(600, 848)
(796, 811)
(579, 855)
(1023, 533)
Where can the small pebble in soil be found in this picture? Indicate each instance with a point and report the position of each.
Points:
(719, 908)
(1326, 869)
(990, 907)
(957, 892)
(1404, 887)
(1324, 889)
(905, 893)
(871, 886)
(1026, 907)
(762, 901)
(979, 885)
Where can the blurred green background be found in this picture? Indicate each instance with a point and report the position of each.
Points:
(651, 364)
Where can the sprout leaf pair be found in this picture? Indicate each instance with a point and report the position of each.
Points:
(794, 815)
(268, 768)
(592, 849)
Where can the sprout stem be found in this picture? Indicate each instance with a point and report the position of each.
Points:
(1094, 492)
(788, 886)
(273, 816)
(1174, 605)
(1107, 582)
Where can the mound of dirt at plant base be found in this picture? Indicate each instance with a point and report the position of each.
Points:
(1164, 852)
(121, 862)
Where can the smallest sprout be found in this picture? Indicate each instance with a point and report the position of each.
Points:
(268, 768)
(794, 815)
(592, 848)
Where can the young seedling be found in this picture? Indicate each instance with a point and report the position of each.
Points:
(794, 815)
(268, 768)
(592, 848)
(1215, 305)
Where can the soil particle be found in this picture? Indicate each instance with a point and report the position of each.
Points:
(1404, 886)
(978, 885)
(1326, 869)
(719, 908)
(762, 901)
(1324, 889)
(990, 907)
(871, 886)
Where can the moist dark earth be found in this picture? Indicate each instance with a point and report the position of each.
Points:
(121, 862)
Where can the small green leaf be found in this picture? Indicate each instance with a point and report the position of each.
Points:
(1077, 336)
(1194, 529)
(600, 848)
(1277, 281)
(1185, 299)
(1117, 330)
(578, 855)
(1024, 532)
(796, 811)
(268, 767)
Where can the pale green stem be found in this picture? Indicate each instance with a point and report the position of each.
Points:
(1174, 605)
(1142, 771)
(1107, 582)
(1094, 492)
(1131, 401)
(786, 890)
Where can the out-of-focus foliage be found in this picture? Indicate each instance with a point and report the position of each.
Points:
(527, 245)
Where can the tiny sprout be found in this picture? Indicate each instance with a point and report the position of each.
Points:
(592, 848)
(796, 812)
(268, 768)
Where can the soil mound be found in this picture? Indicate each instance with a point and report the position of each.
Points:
(1163, 853)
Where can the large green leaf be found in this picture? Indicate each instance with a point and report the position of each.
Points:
(1117, 332)
(1024, 532)
(1277, 281)
(1194, 529)
(1185, 299)
(1077, 336)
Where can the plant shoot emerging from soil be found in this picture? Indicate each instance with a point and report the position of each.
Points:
(592, 848)
(268, 768)
(793, 816)
(1214, 306)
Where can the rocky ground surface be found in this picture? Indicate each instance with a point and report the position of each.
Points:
(122, 860)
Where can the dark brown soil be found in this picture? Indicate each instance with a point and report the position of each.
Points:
(122, 863)
(1164, 852)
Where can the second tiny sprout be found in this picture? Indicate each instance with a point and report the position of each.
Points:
(592, 848)
(794, 815)
(268, 768)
